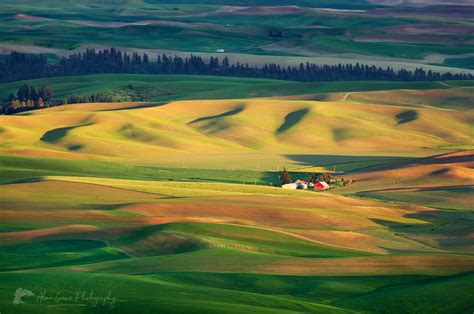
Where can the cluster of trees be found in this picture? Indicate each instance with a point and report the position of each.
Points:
(84, 99)
(285, 178)
(19, 66)
(327, 177)
(27, 98)
(321, 177)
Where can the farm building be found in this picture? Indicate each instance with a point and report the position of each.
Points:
(321, 186)
(290, 186)
(302, 185)
(297, 185)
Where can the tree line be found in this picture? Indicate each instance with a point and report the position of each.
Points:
(28, 98)
(21, 66)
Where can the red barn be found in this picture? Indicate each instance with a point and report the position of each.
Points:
(321, 186)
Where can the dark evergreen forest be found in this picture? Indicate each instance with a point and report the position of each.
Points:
(20, 66)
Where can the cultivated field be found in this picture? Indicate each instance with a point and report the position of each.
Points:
(247, 133)
(167, 198)
(221, 245)
(168, 205)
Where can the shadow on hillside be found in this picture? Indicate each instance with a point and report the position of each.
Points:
(103, 206)
(406, 116)
(52, 136)
(430, 160)
(466, 188)
(142, 106)
(327, 160)
(292, 119)
(75, 147)
(24, 180)
(232, 112)
(443, 229)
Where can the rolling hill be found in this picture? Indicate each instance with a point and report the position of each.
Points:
(168, 197)
(443, 181)
(241, 127)
(248, 248)
(174, 197)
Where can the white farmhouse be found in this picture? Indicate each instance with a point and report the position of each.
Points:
(290, 186)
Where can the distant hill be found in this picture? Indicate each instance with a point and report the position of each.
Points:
(155, 131)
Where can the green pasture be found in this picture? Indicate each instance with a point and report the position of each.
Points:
(238, 293)
(25, 168)
(208, 87)
(21, 168)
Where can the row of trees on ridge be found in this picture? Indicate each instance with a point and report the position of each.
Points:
(20, 66)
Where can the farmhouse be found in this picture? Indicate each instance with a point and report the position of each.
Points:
(297, 185)
(321, 186)
(302, 185)
(290, 186)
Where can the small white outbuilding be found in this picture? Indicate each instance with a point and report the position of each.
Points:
(290, 186)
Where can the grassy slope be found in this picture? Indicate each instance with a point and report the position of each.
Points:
(443, 181)
(224, 257)
(205, 239)
(220, 136)
(449, 197)
(208, 87)
(232, 291)
(17, 168)
(220, 249)
(169, 300)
